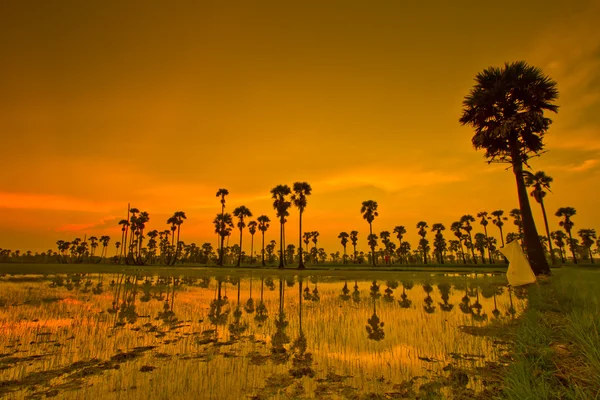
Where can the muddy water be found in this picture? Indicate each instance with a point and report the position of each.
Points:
(251, 336)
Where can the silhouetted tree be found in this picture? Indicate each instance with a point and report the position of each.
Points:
(300, 191)
(369, 212)
(506, 109)
(567, 224)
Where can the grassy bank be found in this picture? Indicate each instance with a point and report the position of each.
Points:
(557, 343)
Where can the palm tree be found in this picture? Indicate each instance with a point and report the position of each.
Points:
(178, 218)
(344, 240)
(456, 227)
(506, 109)
(369, 212)
(540, 181)
(281, 206)
(223, 226)
(263, 225)
(567, 224)
(484, 222)
(497, 220)
(400, 231)
(222, 193)
(301, 190)
(515, 213)
(241, 212)
(439, 243)
(422, 226)
(559, 240)
(354, 240)
(466, 226)
(252, 229)
(314, 235)
(104, 240)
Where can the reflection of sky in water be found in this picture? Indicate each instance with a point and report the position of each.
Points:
(414, 321)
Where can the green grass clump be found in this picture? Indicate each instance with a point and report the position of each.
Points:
(557, 345)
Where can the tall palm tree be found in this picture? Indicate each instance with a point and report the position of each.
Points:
(314, 235)
(104, 240)
(222, 193)
(178, 218)
(456, 227)
(344, 240)
(400, 231)
(301, 190)
(506, 108)
(263, 225)
(466, 226)
(484, 222)
(567, 224)
(515, 213)
(354, 240)
(498, 218)
(241, 212)
(540, 181)
(422, 226)
(223, 226)
(587, 240)
(439, 243)
(559, 240)
(369, 212)
(252, 229)
(281, 205)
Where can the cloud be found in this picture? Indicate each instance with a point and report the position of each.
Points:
(102, 222)
(389, 179)
(53, 202)
(585, 166)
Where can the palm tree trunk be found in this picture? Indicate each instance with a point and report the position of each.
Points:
(572, 246)
(251, 253)
(537, 259)
(221, 251)
(472, 248)
(372, 247)
(263, 248)
(547, 231)
(300, 262)
(240, 256)
(462, 251)
(281, 265)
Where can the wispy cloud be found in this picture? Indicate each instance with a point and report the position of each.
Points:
(53, 202)
(101, 223)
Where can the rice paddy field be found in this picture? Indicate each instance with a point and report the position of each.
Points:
(252, 335)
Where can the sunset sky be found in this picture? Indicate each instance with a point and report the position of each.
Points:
(160, 104)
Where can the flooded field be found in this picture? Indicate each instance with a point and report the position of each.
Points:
(259, 336)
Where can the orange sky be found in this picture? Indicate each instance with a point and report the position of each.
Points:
(105, 103)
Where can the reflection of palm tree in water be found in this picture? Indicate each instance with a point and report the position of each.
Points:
(510, 312)
(477, 307)
(261, 310)
(374, 325)
(428, 306)
(345, 296)
(356, 293)
(217, 313)
(237, 327)
(444, 289)
(168, 315)
(489, 291)
(389, 291)
(127, 309)
(465, 303)
(301, 361)
(405, 302)
(279, 354)
(249, 307)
